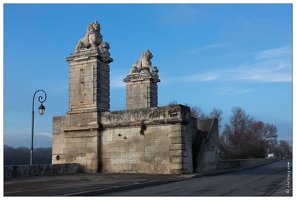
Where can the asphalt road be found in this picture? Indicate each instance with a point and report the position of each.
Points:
(273, 179)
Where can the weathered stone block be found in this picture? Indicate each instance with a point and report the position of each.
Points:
(176, 159)
(106, 156)
(120, 149)
(177, 147)
(136, 148)
(162, 160)
(108, 149)
(118, 155)
(152, 154)
(176, 153)
(149, 148)
(160, 142)
(80, 145)
(177, 140)
(176, 166)
(175, 134)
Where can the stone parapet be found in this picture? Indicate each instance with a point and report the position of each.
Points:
(145, 140)
(12, 171)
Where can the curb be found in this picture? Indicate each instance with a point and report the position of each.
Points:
(214, 173)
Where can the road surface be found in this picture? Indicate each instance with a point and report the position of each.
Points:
(273, 179)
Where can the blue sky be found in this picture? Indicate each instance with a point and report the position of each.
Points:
(208, 55)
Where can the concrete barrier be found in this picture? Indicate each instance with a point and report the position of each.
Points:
(41, 170)
(227, 164)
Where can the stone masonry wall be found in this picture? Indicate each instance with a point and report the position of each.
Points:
(149, 140)
(75, 140)
(126, 150)
(58, 139)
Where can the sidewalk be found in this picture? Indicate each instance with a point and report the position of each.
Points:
(81, 184)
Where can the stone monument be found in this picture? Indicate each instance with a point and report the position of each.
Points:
(144, 138)
(141, 84)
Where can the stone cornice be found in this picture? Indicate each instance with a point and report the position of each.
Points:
(83, 55)
(140, 77)
(82, 128)
(87, 54)
(146, 116)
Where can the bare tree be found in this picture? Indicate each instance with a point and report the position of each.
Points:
(197, 112)
(285, 148)
(173, 103)
(264, 131)
(245, 137)
(282, 148)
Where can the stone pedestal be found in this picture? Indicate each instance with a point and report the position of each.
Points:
(89, 84)
(141, 90)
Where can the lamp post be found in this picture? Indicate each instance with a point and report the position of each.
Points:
(41, 110)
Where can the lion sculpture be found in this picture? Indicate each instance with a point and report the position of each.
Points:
(92, 38)
(105, 54)
(144, 63)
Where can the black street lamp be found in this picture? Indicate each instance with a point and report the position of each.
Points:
(41, 110)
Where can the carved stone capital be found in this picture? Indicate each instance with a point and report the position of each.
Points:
(87, 54)
(141, 77)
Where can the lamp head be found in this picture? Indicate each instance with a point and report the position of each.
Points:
(41, 109)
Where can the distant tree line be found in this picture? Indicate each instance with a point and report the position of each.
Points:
(282, 148)
(21, 155)
(244, 137)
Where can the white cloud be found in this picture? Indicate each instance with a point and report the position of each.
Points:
(116, 78)
(273, 53)
(116, 83)
(266, 71)
(45, 133)
(232, 91)
(267, 66)
(251, 73)
(203, 77)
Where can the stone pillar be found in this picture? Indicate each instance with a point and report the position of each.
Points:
(141, 91)
(76, 136)
(89, 84)
(141, 84)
